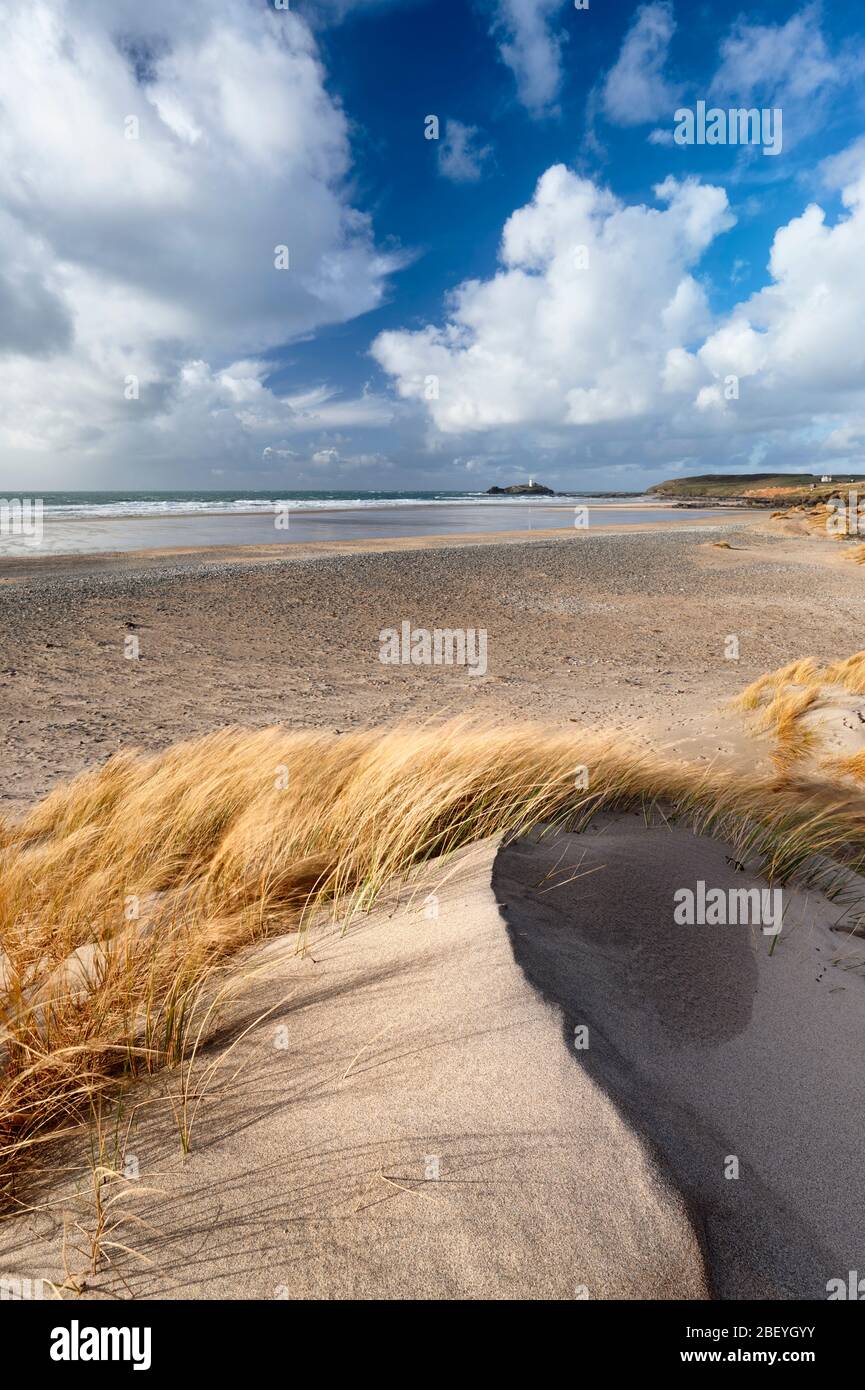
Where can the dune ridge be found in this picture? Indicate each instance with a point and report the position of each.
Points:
(158, 868)
(405, 1122)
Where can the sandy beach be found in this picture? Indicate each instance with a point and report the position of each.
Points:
(624, 630)
(422, 1124)
(295, 523)
(405, 1115)
(432, 674)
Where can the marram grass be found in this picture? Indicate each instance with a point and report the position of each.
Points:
(127, 889)
(780, 699)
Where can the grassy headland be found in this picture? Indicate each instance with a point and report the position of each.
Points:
(754, 489)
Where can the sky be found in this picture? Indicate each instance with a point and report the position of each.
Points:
(422, 244)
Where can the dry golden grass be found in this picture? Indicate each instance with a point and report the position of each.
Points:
(851, 766)
(782, 697)
(849, 674)
(804, 674)
(815, 516)
(798, 673)
(824, 520)
(226, 839)
(782, 716)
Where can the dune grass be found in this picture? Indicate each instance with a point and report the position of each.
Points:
(821, 520)
(124, 893)
(780, 699)
(851, 766)
(816, 517)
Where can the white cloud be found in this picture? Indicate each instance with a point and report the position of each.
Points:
(789, 65)
(154, 257)
(232, 412)
(325, 458)
(768, 62)
(623, 355)
(844, 168)
(636, 89)
(799, 339)
(532, 51)
(552, 340)
(324, 407)
(461, 156)
(331, 464)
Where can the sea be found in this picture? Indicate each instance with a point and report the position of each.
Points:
(76, 522)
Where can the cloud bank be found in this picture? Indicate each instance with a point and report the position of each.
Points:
(596, 332)
(152, 161)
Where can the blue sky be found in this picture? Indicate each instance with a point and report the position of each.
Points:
(552, 286)
(438, 57)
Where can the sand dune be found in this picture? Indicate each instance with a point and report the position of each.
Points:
(712, 1043)
(414, 1045)
(413, 1119)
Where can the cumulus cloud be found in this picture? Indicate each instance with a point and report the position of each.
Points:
(596, 332)
(798, 341)
(325, 458)
(532, 51)
(152, 160)
(845, 168)
(575, 326)
(231, 413)
(636, 89)
(461, 154)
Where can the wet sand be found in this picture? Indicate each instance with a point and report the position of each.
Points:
(299, 526)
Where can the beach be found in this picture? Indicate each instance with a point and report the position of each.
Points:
(622, 630)
(105, 528)
(534, 1091)
(432, 675)
(422, 1123)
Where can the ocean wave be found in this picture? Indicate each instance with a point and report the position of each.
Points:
(171, 506)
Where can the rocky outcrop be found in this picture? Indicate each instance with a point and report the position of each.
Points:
(530, 489)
